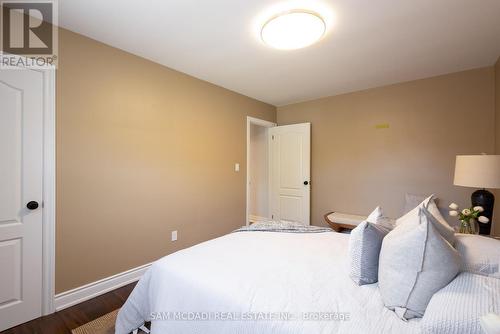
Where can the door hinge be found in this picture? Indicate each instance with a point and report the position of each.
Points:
(272, 137)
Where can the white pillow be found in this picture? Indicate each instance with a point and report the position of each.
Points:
(444, 228)
(480, 255)
(415, 262)
(378, 217)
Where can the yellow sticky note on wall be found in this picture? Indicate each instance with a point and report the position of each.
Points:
(382, 126)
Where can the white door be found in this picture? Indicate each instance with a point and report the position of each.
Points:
(290, 154)
(21, 141)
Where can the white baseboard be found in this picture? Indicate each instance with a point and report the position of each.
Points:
(75, 296)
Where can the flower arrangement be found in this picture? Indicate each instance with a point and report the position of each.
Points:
(468, 218)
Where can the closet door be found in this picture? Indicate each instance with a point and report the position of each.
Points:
(21, 140)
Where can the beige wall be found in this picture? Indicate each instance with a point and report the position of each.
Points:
(356, 167)
(141, 150)
(496, 219)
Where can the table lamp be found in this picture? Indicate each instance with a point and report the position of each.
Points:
(479, 171)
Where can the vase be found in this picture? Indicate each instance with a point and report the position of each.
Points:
(469, 227)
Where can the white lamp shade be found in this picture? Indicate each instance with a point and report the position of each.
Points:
(478, 171)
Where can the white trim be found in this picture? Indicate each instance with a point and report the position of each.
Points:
(260, 122)
(78, 295)
(49, 193)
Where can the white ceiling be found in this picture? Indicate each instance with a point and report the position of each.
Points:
(369, 43)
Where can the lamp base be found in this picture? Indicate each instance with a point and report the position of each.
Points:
(485, 199)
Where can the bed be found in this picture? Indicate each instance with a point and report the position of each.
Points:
(275, 282)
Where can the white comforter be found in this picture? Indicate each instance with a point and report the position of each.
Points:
(253, 275)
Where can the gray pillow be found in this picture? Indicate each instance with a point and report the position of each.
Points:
(441, 224)
(364, 249)
(364, 246)
(415, 262)
(412, 201)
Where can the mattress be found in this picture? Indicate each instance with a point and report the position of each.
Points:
(263, 282)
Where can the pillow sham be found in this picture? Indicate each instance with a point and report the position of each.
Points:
(364, 247)
(415, 262)
(480, 255)
(443, 227)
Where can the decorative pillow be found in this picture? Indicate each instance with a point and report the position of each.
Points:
(412, 201)
(415, 262)
(364, 247)
(378, 217)
(444, 228)
(480, 255)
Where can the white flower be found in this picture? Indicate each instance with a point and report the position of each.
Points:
(478, 208)
(466, 212)
(453, 213)
(453, 206)
(483, 219)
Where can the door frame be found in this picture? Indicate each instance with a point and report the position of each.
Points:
(49, 192)
(260, 122)
(48, 183)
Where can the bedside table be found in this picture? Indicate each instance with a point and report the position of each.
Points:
(340, 222)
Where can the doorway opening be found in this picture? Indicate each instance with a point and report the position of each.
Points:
(289, 173)
(278, 172)
(257, 170)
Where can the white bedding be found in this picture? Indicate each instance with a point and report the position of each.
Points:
(253, 273)
(459, 301)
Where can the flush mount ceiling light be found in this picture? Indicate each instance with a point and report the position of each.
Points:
(293, 30)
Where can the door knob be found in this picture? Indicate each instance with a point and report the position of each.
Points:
(306, 183)
(33, 205)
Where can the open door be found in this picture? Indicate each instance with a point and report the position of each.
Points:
(289, 181)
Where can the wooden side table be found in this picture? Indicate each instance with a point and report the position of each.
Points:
(342, 221)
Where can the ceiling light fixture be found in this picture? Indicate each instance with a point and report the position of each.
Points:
(293, 29)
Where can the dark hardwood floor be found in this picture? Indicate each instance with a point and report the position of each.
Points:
(64, 321)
